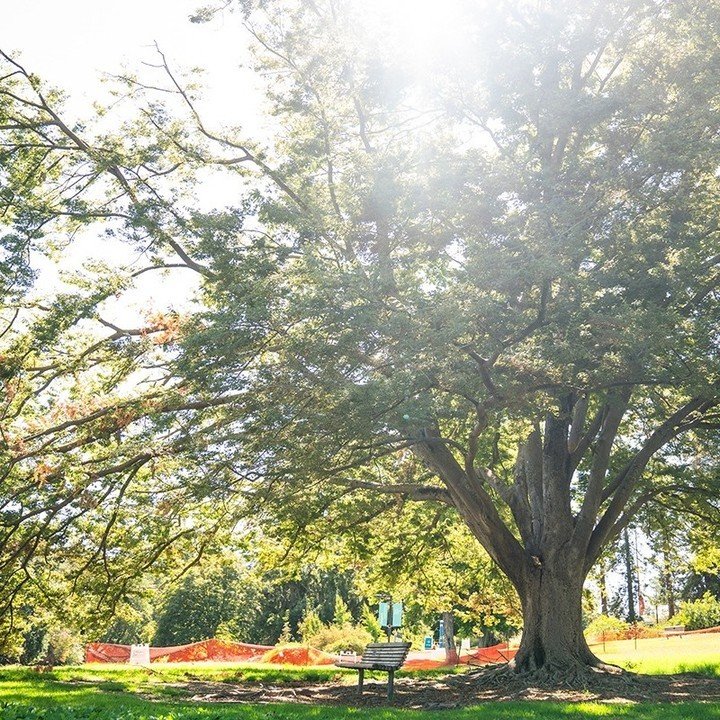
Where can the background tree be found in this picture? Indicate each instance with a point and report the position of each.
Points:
(218, 595)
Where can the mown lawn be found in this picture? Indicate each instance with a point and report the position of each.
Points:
(115, 692)
(664, 656)
(53, 700)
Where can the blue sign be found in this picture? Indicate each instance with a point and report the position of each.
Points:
(383, 612)
(397, 612)
(390, 615)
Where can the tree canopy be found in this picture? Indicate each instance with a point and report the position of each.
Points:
(491, 286)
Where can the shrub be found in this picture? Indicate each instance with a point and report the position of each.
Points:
(63, 647)
(335, 639)
(608, 628)
(698, 614)
(310, 625)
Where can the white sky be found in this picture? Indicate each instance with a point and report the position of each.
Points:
(72, 43)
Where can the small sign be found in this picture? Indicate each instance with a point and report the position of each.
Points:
(383, 613)
(139, 655)
(390, 615)
(397, 613)
(428, 642)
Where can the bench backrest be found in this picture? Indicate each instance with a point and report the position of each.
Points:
(389, 653)
(674, 628)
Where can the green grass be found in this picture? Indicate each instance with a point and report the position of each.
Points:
(665, 656)
(122, 692)
(178, 672)
(53, 700)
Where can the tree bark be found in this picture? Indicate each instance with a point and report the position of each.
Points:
(550, 546)
(451, 656)
(668, 575)
(553, 639)
(602, 581)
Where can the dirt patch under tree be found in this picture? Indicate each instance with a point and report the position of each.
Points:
(471, 688)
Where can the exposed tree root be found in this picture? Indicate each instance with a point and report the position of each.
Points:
(576, 677)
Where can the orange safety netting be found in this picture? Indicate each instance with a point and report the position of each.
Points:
(433, 659)
(213, 650)
(496, 654)
(225, 651)
(300, 655)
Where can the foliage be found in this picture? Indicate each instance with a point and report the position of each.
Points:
(285, 637)
(341, 613)
(62, 646)
(216, 594)
(446, 571)
(88, 495)
(286, 593)
(605, 627)
(310, 625)
(704, 575)
(371, 624)
(336, 638)
(698, 614)
(492, 288)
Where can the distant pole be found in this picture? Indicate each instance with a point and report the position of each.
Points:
(637, 572)
(629, 578)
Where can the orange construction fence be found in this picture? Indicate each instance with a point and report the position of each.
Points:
(432, 659)
(226, 651)
(214, 650)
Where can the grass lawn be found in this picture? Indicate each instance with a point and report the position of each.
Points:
(663, 656)
(120, 692)
(53, 700)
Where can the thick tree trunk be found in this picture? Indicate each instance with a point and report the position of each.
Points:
(553, 639)
(668, 576)
(551, 546)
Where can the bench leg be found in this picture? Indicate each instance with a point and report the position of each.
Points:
(391, 684)
(361, 678)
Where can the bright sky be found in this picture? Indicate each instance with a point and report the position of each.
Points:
(72, 43)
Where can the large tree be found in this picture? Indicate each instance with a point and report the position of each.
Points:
(491, 285)
(87, 500)
(509, 274)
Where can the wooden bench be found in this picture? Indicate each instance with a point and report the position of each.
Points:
(387, 657)
(674, 630)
